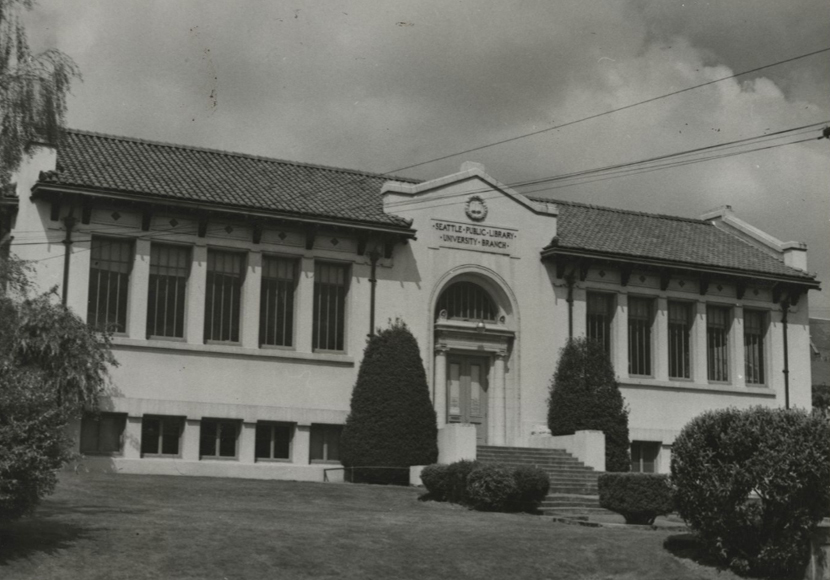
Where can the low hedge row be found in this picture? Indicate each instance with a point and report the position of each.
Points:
(487, 486)
(638, 497)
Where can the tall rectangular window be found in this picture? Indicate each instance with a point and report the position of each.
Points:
(599, 319)
(225, 274)
(644, 456)
(218, 438)
(102, 434)
(325, 442)
(680, 331)
(330, 283)
(273, 441)
(639, 336)
(717, 341)
(754, 331)
(109, 277)
(161, 435)
(169, 269)
(276, 311)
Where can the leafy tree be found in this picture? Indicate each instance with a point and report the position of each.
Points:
(584, 395)
(52, 367)
(752, 484)
(33, 89)
(392, 421)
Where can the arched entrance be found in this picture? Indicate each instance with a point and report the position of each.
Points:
(473, 322)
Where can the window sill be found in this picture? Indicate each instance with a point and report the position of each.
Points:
(160, 456)
(102, 453)
(167, 338)
(214, 458)
(340, 359)
(702, 387)
(273, 460)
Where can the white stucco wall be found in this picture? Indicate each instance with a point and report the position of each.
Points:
(296, 385)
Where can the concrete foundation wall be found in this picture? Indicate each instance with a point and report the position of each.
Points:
(587, 446)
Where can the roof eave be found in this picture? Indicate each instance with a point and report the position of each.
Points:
(41, 189)
(553, 251)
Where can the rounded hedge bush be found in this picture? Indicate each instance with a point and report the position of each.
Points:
(532, 486)
(457, 475)
(638, 497)
(491, 488)
(753, 484)
(436, 478)
(391, 423)
(585, 395)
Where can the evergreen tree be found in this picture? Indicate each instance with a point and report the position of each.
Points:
(584, 395)
(33, 89)
(392, 422)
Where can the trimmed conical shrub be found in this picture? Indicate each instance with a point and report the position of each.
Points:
(585, 395)
(392, 422)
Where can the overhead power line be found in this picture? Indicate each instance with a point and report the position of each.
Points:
(610, 111)
(641, 165)
(581, 120)
(646, 169)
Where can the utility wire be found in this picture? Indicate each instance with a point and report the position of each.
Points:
(610, 169)
(668, 165)
(610, 111)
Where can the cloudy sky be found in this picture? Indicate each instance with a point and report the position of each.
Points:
(380, 85)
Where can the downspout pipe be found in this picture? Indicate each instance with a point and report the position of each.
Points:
(373, 282)
(570, 281)
(69, 222)
(785, 308)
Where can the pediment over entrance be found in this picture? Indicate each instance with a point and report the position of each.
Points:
(472, 211)
(469, 171)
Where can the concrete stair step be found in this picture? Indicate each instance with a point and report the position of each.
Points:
(569, 477)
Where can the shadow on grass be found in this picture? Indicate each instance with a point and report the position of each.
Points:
(26, 537)
(532, 509)
(688, 547)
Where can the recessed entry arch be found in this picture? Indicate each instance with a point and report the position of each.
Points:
(474, 334)
(467, 282)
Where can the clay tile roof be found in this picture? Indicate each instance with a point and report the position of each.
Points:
(177, 173)
(632, 234)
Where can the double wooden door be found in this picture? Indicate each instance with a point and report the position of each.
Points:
(467, 392)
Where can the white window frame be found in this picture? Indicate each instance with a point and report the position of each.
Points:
(174, 419)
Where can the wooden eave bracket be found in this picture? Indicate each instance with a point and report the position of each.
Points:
(86, 210)
(704, 286)
(795, 294)
(740, 290)
(55, 208)
(362, 242)
(146, 220)
(625, 274)
(388, 248)
(256, 236)
(310, 236)
(583, 266)
(665, 279)
(203, 225)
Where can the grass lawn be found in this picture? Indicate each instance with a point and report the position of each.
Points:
(135, 526)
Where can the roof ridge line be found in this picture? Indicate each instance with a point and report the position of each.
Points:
(618, 210)
(240, 154)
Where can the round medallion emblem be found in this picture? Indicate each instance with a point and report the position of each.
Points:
(476, 209)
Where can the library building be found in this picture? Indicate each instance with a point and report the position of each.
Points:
(240, 291)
